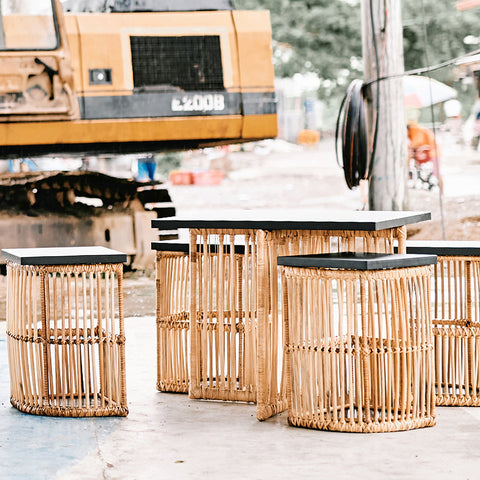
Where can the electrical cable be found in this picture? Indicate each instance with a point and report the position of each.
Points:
(377, 67)
(353, 134)
(436, 160)
(354, 138)
(422, 70)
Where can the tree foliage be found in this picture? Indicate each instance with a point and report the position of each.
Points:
(321, 36)
(434, 32)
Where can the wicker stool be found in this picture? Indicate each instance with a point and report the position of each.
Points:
(66, 339)
(358, 341)
(172, 316)
(456, 319)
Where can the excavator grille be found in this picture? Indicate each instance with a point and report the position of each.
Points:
(189, 63)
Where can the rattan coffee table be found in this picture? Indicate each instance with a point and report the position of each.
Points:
(235, 336)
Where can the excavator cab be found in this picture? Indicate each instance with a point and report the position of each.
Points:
(36, 78)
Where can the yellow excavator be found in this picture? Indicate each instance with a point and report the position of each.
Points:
(137, 76)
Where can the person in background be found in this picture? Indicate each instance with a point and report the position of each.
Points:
(146, 167)
(423, 147)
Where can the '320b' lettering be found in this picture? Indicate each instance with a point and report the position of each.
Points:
(199, 103)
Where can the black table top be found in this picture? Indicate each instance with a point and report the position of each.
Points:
(63, 255)
(357, 261)
(319, 220)
(444, 247)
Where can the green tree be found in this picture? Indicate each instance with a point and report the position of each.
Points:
(434, 31)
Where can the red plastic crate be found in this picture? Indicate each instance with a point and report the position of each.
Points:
(208, 177)
(181, 177)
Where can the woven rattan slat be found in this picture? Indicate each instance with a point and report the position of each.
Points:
(66, 338)
(358, 348)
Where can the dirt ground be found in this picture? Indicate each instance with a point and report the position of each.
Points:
(277, 175)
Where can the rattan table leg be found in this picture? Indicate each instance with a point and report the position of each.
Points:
(223, 315)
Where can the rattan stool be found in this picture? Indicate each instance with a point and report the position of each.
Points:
(172, 316)
(358, 341)
(66, 339)
(456, 319)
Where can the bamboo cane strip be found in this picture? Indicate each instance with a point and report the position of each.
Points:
(406, 346)
(352, 295)
(32, 334)
(106, 344)
(78, 368)
(22, 356)
(373, 333)
(121, 330)
(382, 357)
(390, 352)
(95, 348)
(26, 345)
(416, 347)
(43, 339)
(57, 391)
(101, 339)
(86, 344)
(194, 342)
(241, 319)
(71, 352)
(115, 344)
(343, 386)
(28, 365)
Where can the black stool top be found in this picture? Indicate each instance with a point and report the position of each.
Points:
(444, 247)
(171, 246)
(162, 246)
(357, 261)
(63, 255)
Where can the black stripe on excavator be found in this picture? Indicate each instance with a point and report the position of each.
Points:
(111, 148)
(177, 104)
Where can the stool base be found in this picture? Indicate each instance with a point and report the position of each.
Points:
(70, 410)
(362, 427)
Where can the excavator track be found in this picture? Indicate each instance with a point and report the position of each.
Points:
(81, 208)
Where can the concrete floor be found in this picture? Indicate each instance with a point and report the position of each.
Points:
(168, 436)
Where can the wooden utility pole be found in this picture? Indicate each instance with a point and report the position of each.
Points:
(388, 183)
